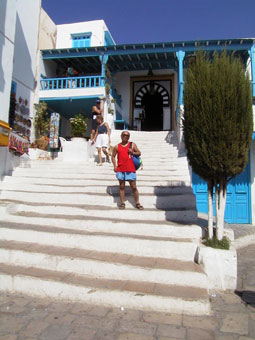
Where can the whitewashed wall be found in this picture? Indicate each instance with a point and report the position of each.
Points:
(47, 40)
(96, 27)
(7, 35)
(19, 25)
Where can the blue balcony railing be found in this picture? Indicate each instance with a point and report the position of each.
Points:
(71, 83)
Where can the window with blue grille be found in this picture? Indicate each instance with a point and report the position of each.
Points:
(81, 40)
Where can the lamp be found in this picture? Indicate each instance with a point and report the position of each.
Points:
(151, 86)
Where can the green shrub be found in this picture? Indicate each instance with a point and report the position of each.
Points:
(215, 243)
(78, 125)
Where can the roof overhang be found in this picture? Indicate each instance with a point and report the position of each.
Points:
(141, 56)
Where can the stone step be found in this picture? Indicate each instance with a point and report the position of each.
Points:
(107, 199)
(185, 216)
(103, 265)
(91, 189)
(147, 166)
(100, 181)
(99, 171)
(168, 164)
(115, 293)
(150, 176)
(177, 249)
(92, 225)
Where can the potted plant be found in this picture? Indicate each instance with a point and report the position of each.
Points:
(78, 125)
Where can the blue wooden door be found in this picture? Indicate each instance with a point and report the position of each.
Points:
(238, 205)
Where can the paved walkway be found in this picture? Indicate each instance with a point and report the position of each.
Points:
(26, 318)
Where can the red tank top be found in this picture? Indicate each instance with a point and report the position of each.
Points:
(125, 162)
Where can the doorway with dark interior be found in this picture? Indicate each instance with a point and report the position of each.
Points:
(153, 112)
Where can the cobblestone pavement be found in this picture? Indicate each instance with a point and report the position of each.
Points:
(27, 318)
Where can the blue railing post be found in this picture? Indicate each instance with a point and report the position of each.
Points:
(252, 56)
(103, 59)
(180, 55)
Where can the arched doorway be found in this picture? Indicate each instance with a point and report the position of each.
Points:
(151, 98)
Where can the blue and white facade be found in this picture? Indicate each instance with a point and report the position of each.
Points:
(146, 80)
(140, 85)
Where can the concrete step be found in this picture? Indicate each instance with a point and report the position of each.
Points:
(91, 225)
(185, 216)
(103, 265)
(176, 249)
(67, 181)
(150, 176)
(40, 186)
(108, 199)
(103, 171)
(116, 293)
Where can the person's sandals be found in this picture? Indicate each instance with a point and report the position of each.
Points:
(122, 206)
(139, 206)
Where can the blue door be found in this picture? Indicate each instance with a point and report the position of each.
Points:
(238, 205)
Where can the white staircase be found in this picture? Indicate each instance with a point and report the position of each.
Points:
(62, 234)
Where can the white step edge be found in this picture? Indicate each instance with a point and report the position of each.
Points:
(112, 213)
(70, 292)
(125, 228)
(102, 269)
(174, 202)
(183, 251)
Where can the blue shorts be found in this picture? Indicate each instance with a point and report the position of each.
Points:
(126, 176)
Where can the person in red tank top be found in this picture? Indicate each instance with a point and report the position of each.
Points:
(125, 169)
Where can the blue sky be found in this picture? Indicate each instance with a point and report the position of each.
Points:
(138, 21)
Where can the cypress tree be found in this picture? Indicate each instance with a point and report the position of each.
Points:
(217, 124)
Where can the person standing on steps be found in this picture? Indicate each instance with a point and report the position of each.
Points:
(102, 139)
(96, 111)
(125, 169)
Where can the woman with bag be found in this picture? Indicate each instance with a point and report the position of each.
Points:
(125, 170)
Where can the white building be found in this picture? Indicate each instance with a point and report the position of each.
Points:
(19, 27)
(145, 81)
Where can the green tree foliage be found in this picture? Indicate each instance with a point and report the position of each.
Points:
(217, 120)
(78, 125)
(42, 120)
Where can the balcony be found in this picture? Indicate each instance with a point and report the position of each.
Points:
(72, 87)
(71, 83)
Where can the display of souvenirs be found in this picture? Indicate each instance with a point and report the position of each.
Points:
(22, 123)
(54, 130)
(17, 144)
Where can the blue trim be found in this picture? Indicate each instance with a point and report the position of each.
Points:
(72, 83)
(252, 56)
(180, 56)
(81, 40)
(238, 203)
(69, 98)
(253, 135)
(108, 39)
(169, 47)
(103, 58)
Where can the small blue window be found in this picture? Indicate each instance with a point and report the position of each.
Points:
(81, 40)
